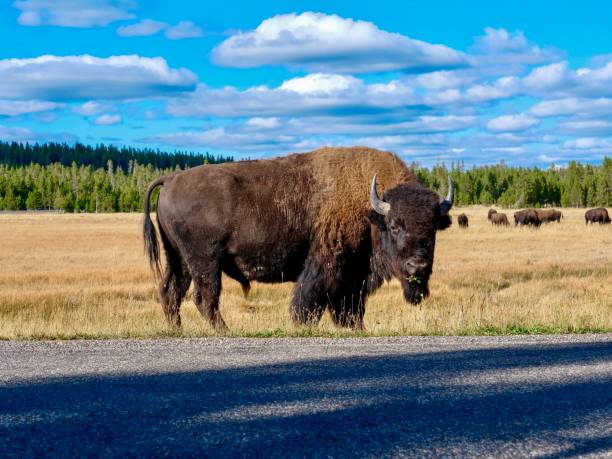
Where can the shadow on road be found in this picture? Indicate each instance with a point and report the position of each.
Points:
(413, 404)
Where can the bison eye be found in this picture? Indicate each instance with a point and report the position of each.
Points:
(394, 228)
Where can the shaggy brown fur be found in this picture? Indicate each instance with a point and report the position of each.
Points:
(527, 217)
(304, 218)
(500, 219)
(549, 215)
(462, 220)
(491, 212)
(599, 215)
(345, 202)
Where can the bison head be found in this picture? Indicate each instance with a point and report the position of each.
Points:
(406, 220)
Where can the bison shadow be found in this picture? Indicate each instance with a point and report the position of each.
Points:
(407, 404)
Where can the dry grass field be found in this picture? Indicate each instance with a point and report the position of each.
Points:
(85, 276)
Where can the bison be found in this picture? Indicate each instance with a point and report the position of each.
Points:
(314, 218)
(549, 215)
(527, 217)
(491, 213)
(599, 215)
(462, 220)
(499, 219)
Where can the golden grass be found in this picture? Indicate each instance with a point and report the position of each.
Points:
(71, 276)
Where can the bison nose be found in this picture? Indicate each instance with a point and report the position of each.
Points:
(415, 266)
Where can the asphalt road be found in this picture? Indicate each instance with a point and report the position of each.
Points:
(548, 396)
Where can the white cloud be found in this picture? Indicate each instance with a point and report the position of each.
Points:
(320, 42)
(22, 107)
(263, 123)
(306, 96)
(184, 29)
(107, 120)
(587, 143)
(586, 127)
(73, 13)
(549, 77)
(510, 50)
(91, 108)
(573, 106)
(512, 123)
(88, 77)
(502, 88)
(443, 79)
(142, 28)
(320, 84)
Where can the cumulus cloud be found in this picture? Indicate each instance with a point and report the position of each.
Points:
(559, 80)
(142, 28)
(91, 108)
(263, 123)
(587, 143)
(22, 107)
(573, 106)
(586, 127)
(310, 95)
(501, 50)
(57, 78)
(512, 123)
(502, 88)
(107, 120)
(73, 13)
(184, 29)
(148, 27)
(329, 43)
(549, 77)
(444, 79)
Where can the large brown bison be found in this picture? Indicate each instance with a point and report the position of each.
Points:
(499, 219)
(463, 221)
(315, 219)
(549, 215)
(599, 215)
(490, 213)
(527, 217)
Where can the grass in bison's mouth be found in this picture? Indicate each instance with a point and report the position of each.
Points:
(86, 277)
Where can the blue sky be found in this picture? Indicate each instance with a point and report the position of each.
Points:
(525, 82)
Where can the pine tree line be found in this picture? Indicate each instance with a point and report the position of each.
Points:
(89, 188)
(75, 188)
(577, 185)
(18, 154)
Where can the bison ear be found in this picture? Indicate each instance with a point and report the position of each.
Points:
(377, 219)
(444, 222)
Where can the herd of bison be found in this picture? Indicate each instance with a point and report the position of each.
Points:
(535, 217)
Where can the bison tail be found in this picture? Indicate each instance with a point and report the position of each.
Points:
(148, 231)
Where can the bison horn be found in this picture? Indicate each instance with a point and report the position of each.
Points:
(447, 203)
(378, 205)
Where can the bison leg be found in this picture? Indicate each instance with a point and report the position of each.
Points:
(206, 277)
(231, 269)
(172, 290)
(347, 307)
(175, 283)
(308, 303)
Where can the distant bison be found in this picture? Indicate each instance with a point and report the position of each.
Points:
(527, 217)
(491, 213)
(463, 221)
(549, 215)
(599, 215)
(499, 219)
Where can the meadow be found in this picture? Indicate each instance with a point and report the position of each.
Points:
(65, 276)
